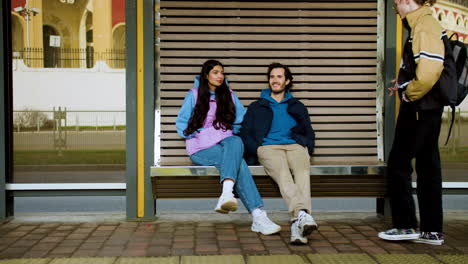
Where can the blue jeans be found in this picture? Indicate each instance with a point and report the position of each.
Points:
(226, 156)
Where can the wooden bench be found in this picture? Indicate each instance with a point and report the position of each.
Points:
(326, 181)
(332, 51)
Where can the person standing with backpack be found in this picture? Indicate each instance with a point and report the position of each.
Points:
(418, 128)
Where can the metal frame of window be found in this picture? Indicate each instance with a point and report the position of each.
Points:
(140, 79)
(140, 41)
(146, 24)
(6, 201)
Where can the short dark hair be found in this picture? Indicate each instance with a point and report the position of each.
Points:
(287, 73)
(425, 2)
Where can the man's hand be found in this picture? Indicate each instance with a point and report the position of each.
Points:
(394, 88)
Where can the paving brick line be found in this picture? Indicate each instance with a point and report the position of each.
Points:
(205, 238)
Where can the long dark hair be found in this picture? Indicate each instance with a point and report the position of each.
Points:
(225, 110)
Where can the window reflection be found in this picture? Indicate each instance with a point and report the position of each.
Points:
(454, 155)
(69, 90)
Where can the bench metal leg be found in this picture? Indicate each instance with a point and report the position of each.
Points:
(383, 207)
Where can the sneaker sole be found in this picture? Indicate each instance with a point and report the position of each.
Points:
(298, 241)
(399, 237)
(308, 229)
(266, 234)
(429, 242)
(221, 211)
(229, 206)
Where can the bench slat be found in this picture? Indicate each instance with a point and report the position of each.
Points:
(195, 69)
(319, 135)
(347, 119)
(267, 13)
(335, 74)
(277, 45)
(205, 36)
(319, 160)
(321, 186)
(173, 111)
(266, 54)
(186, 86)
(318, 143)
(306, 102)
(269, 21)
(266, 5)
(302, 94)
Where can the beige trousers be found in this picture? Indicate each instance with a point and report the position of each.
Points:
(279, 161)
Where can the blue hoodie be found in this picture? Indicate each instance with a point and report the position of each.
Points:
(189, 104)
(280, 130)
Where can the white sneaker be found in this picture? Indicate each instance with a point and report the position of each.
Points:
(296, 236)
(226, 203)
(263, 224)
(306, 223)
(397, 234)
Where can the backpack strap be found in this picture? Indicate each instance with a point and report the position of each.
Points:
(451, 124)
(453, 34)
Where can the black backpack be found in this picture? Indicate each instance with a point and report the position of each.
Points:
(453, 82)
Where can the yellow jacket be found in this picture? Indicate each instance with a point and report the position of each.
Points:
(428, 50)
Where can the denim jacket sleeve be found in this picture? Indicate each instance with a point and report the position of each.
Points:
(240, 112)
(184, 115)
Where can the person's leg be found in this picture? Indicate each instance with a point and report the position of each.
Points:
(399, 170)
(429, 173)
(227, 157)
(398, 175)
(274, 160)
(213, 156)
(233, 162)
(245, 186)
(299, 163)
(208, 157)
(247, 189)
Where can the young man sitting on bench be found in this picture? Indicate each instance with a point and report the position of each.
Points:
(277, 132)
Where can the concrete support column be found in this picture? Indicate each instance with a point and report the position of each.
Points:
(102, 25)
(35, 25)
(32, 23)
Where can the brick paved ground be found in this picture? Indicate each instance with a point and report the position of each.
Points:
(337, 234)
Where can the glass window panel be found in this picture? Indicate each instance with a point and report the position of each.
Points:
(69, 91)
(454, 155)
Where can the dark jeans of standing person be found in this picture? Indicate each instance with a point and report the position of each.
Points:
(416, 136)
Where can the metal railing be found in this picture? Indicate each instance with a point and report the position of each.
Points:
(76, 120)
(460, 2)
(54, 57)
(61, 129)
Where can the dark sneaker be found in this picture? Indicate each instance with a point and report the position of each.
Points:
(431, 238)
(399, 234)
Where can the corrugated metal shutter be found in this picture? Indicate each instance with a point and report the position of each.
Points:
(331, 48)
